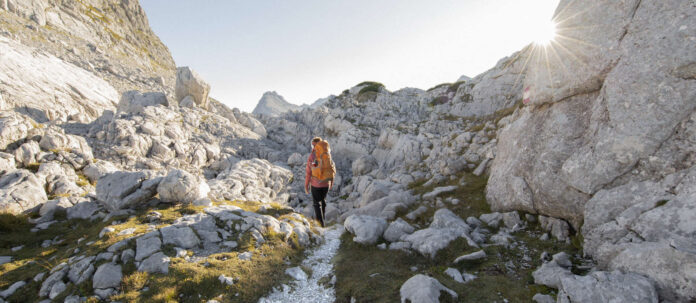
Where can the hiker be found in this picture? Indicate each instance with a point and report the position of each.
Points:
(319, 175)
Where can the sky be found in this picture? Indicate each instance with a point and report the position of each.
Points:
(310, 49)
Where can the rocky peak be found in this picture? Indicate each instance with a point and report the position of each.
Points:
(273, 104)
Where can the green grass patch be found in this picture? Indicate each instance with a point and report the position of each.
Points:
(369, 274)
(370, 87)
(198, 281)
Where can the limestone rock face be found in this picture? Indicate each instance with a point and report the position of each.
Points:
(112, 41)
(134, 102)
(593, 121)
(50, 88)
(647, 227)
(189, 83)
(602, 286)
(181, 186)
(122, 189)
(20, 190)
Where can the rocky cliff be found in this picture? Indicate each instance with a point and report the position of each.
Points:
(109, 39)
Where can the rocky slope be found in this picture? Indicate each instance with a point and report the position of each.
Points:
(571, 178)
(111, 40)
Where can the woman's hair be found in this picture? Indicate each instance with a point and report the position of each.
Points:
(316, 140)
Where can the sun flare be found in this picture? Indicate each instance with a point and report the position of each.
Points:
(544, 32)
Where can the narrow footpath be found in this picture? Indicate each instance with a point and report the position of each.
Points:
(308, 289)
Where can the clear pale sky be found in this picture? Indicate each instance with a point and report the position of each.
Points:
(310, 49)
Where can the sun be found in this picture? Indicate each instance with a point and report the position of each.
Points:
(544, 32)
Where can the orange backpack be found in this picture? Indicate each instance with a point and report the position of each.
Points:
(325, 170)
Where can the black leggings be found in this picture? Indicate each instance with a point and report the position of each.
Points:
(319, 197)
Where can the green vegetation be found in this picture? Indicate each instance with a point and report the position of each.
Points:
(370, 87)
(439, 86)
(439, 100)
(198, 281)
(368, 274)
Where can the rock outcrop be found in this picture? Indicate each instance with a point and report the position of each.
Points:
(272, 104)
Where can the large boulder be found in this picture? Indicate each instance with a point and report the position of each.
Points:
(189, 83)
(134, 102)
(27, 152)
(121, 189)
(367, 229)
(13, 127)
(181, 186)
(20, 190)
(108, 275)
(612, 110)
(423, 289)
(601, 286)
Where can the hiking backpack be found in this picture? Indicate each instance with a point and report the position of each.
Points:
(325, 170)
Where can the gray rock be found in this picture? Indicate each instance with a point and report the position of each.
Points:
(12, 289)
(27, 152)
(296, 159)
(108, 275)
(568, 149)
(57, 289)
(156, 263)
(189, 83)
(83, 210)
(540, 298)
(430, 240)
(226, 280)
(602, 286)
(296, 273)
(179, 236)
(364, 165)
(72, 299)
(146, 246)
(127, 256)
(551, 274)
(104, 293)
(417, 212)
(511, 219)
(134, 102)
(558, 228)
(492, 219)
(96, 170)
(400, 245)
(367, 229)
(180, 186)
(81, 271)
(20, 190)
(471, 257)
(397, 229)
(5, 259)
(455, 274)
(423, 289)
(54, 278)
(245, 256)
(119, 190)
(439, 190)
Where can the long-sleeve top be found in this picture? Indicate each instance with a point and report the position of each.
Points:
(308, 175)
